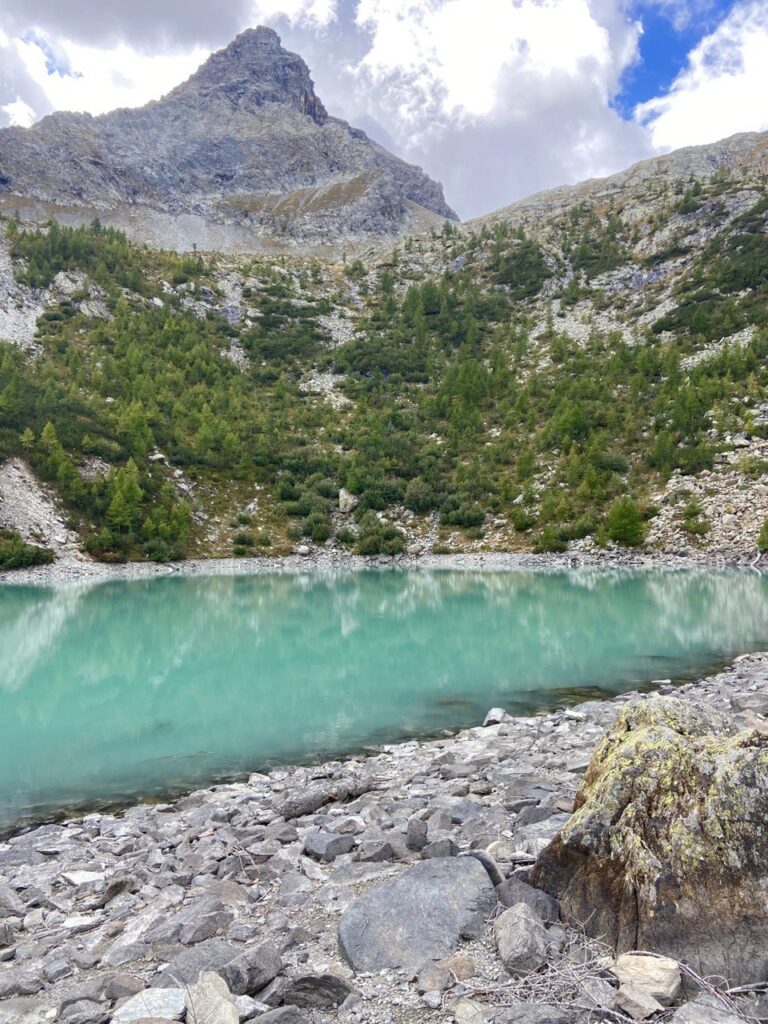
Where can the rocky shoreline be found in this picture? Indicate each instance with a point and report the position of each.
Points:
(71, 570)
(383, 889)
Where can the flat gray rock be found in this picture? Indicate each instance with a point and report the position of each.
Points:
(419, 916)
(705, 1009)
(245, 971)
(167, 1003)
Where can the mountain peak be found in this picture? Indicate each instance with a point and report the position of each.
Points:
(252, 70)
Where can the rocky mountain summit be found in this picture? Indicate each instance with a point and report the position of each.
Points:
(242, 153)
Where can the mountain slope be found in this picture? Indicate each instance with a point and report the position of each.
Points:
(599, 376)
(243, 152)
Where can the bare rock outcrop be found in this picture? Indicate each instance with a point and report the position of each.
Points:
(667, 849)
(242, 150)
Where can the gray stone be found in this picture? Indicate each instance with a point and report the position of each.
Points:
(348, 502)
(536, 1013)
(57, 966)
(419, 916)
(706, 1009)
(10, 903)
(170, 1003)
(283, 1015)
(433, 978)
(317, 991)
(6, 935)
(514, 891)
(121, 986)
(521, 939)
(245, 972)
(209, 1001)
(85, 1011)
(495, 717)
(374, 851)
(327, 846)
(19, 982)
(416, 834)
(440, 848)
(757, 702)
(250, 972)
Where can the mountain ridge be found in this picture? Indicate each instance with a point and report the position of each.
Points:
(244, 149)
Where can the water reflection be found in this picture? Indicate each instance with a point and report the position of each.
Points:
(130, 686)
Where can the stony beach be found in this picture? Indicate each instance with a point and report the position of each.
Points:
(381, 889)
(77, 569)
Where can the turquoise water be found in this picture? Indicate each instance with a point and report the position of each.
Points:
(130, 688)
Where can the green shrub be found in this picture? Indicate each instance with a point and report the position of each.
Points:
(15, 553)
(377, 538)
(346, 536)
(243, 539)
(457, 512)
(693, 521)
(762, 537)
(317, 527)
(522, 520)
(550, 540)
(419, 497)
(624, 522)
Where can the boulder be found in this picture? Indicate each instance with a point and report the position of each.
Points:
(283, 1015)
(327, 846)
(433, 978)
(521, 939)
(166, 1003)
(706, 1009)
(10, 903)
(537, 1013)
(419, 916)
(666, 850)
(22, 982)
(209, 1001)
(318, 991)
(348, 502)
(495, 717)
(515, 890)
(658, 976)
(245, 971)
(637, 1003)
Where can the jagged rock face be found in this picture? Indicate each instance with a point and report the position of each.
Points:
(245, 142)
(667, 849)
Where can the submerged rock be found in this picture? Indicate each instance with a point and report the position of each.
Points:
(419, 916)
(667, 849)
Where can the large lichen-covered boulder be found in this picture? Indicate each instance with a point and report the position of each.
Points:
(667, 849)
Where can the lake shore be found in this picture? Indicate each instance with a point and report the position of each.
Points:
(320, 560)
(254, 880)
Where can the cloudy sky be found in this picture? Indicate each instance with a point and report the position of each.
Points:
(495, 98)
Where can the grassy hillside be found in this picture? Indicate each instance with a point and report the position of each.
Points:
(515, 387)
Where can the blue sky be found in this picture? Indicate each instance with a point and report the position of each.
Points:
(664, 45)
(495, 98)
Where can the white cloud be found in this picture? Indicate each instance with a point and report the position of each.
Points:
(97, 80)
(460, 49)
(321, 12)
(19, 113)
(723, 89)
